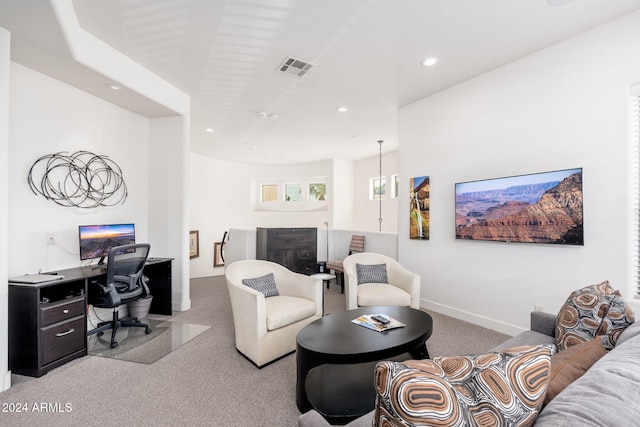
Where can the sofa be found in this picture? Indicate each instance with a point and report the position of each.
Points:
(605, 395)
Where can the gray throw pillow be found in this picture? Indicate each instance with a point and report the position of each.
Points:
(374, 273)
(264, 284)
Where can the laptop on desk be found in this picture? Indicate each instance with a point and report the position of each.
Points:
(36, 278)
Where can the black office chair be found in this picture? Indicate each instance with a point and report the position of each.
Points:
(125, 283)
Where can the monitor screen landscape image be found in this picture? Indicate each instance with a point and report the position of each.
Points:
(536, 208)
(97, 240)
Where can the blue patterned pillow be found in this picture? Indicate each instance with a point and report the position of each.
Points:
(264, 284)
(374, 273)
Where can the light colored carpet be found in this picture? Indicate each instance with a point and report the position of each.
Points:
(203, 383)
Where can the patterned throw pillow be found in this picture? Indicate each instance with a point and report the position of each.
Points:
(596, 310)
(374, 273)
(494, 389)
(264, 284)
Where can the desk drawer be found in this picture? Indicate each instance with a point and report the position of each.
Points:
(61, 339)
(62, 310)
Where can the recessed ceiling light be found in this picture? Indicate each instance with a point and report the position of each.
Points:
(428, 62)
(555, 3)
(210, 130)
(114, 86)
(342, 109)
(274, 117)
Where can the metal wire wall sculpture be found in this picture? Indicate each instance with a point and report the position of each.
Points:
(82, 179)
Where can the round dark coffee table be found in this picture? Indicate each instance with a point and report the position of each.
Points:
(341, 393)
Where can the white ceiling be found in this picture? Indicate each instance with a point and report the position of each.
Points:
(366, 56)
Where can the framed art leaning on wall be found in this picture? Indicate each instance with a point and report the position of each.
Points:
(194, 244)
(535, 208)
(218, 259)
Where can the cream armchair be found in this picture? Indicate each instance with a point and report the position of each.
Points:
(266, 328)
(403, 287)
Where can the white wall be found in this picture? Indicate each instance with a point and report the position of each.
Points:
(41, 124)
(221, 199)
(169, 200)
(374, 241)
(367, 211)
(342, 199)
(5, 47)
(563, 107)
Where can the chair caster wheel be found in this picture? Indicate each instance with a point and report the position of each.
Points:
(147, 330)
(100, 334)
(114, 344)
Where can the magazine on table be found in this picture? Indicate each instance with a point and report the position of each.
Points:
(378, 322)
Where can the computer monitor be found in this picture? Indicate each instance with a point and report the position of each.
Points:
(97, 240)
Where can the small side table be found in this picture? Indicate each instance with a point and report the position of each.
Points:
(325, 277)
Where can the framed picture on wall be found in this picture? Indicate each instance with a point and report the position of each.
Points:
(419, 208)
(218, 261)
(194, 244)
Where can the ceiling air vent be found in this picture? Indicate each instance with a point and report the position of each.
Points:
(294, 67)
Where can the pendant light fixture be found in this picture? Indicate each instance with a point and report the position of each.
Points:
(380, 183)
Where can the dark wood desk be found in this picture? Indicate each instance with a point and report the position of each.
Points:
(158, 270)
(48, 321)
(341, 393)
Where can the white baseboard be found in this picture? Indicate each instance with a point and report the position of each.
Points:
(183, 305)
(476, 319)
(6, 381)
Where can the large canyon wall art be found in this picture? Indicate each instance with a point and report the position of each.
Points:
(419, 208)
(535, 208)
